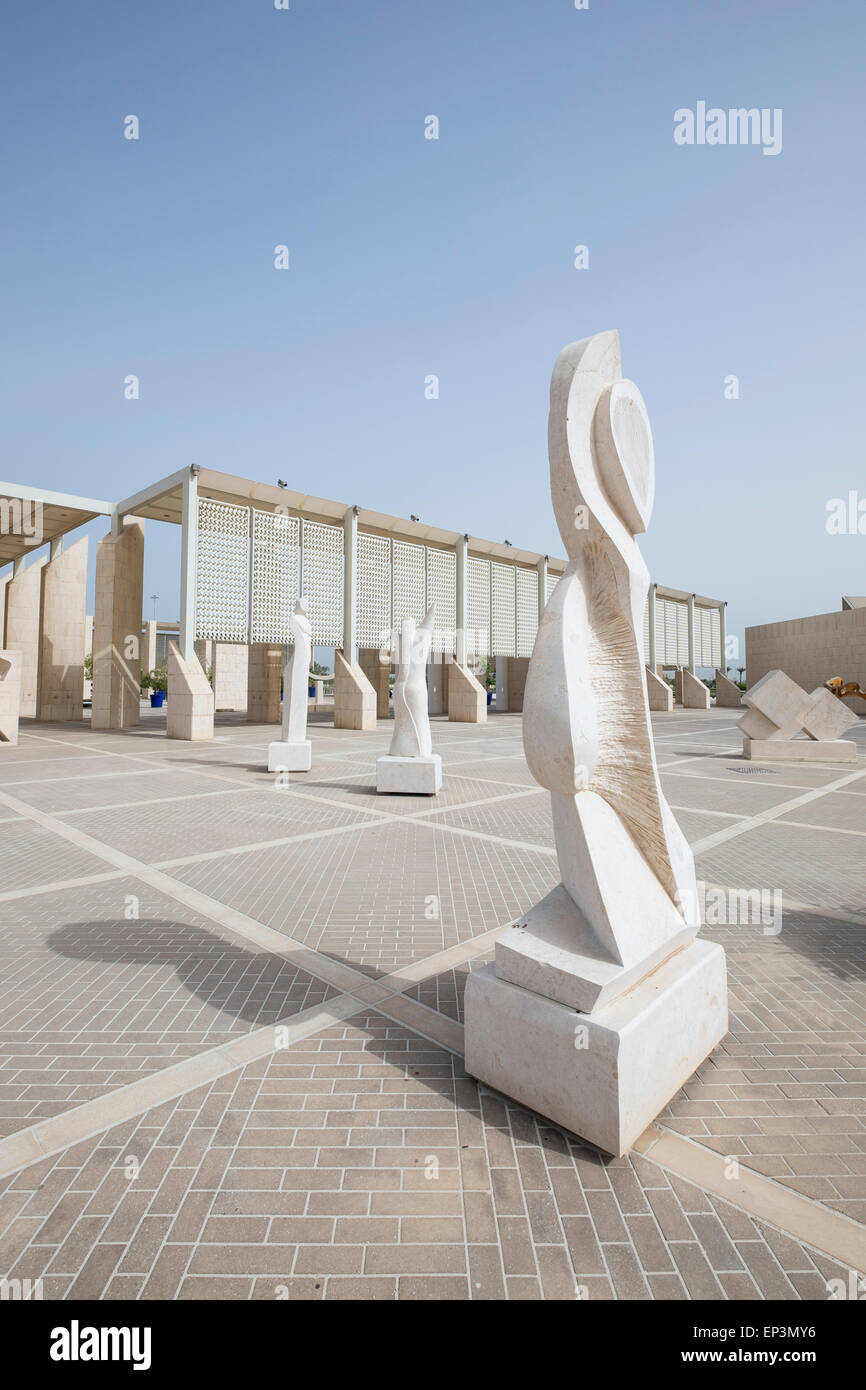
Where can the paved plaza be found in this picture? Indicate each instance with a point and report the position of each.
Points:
(231, 1032)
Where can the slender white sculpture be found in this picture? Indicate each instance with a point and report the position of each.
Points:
(612, 949)
(411, 765)
(294, 752)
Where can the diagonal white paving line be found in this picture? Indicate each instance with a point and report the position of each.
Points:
(834, 914)
(709, 777)
(480, 834)
(204, 855)
(763, 1198)
(730, 832)
(315, 963)
(147, 801)
(97, 776)
(53, 1135)
(696, 758)
(833, 829)
(58, 885)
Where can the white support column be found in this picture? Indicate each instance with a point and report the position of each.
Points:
(460, 642)
(723, 638)
(18, 565)
(55, 547)
(652, 660)
(691, 612)
(350, 588)
(542, 584)
(188, 548)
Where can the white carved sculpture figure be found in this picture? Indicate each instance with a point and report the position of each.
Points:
(411, 765)
(614, 943)
(586, 724)
(294, 753)
(412, 737)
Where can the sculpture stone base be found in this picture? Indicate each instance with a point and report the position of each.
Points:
(415, 776)
(799, 750)
(604, 1075)
(551, 951)
(290, 757)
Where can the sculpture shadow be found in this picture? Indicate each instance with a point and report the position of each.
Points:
(255, 987)
(831, 943)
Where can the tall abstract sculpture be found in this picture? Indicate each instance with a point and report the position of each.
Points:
(294, 753)
(410, 764)
(600, 1003)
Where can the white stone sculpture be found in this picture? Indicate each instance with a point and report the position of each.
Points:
(600, 1003)
(410, 764)
(779, 710)
(294, 752)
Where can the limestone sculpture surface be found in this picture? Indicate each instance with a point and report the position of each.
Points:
(10, 696)
(294, 752)
(611, 951)
(410, 764)
(779, 711)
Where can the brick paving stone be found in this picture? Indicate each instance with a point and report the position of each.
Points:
(361, 1162)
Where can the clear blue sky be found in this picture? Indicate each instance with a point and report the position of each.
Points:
(454, 257)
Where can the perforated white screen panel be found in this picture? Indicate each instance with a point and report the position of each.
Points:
(222, 591)
(408, 582)
(275, 576)
(373, 568)
(503, 615)
(442, 590)
(322, 580)
(672, 632)
(550, 583)
(478, 607)
(707, 637)
(527, 611)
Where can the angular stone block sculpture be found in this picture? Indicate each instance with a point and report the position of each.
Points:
(779, 710)
(411, 766)
(10, 695)
(728, 693)
(467, 697)
(354, 696)
(600, 1003)
(117, 666)
(294, 752)
(689, 691)
(190, 698)
(659, 693)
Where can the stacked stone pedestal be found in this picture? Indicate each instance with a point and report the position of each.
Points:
(290, 757)
(421, 776)
(604, 1075)
(596, 1017)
